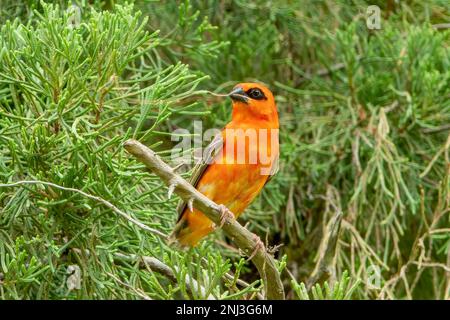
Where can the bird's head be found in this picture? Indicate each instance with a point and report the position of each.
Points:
(254, 103)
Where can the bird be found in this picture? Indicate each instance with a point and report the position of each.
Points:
(236, 165)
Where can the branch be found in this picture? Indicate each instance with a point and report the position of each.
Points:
(444, 127)
(325, 266)
(243, 238)
(441, 26)
(155, 265)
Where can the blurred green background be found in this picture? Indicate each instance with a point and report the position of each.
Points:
(364, 125)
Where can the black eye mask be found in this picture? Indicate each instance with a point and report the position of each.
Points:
(256, 94)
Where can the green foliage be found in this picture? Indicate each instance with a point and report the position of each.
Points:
(341, 290)
(71, 94)
(364, 129)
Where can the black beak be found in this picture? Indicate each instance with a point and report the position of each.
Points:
(238, 94)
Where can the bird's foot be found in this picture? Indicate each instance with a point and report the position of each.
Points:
(259, 245)
(225, 214)
(272, 249)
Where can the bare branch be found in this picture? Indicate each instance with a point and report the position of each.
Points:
(441, 26)
(325, 266)
(158, 266)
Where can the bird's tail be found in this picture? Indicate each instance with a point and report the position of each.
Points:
(184, 235)
(177, 236)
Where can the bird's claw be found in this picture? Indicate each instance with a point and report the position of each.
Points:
(171, 189)
(190, 204)
(259, 245)
(225, 214)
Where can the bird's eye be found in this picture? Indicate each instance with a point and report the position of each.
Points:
(256, 94)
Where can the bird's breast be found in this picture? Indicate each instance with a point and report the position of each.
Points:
(240, 171)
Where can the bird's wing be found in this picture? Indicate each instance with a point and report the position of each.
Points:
(275, 168)
(208, 156)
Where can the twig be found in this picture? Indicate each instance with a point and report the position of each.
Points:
(87, 195)
(138, 292)
(163, 269)
(244, 284)
(153, 263)
(160, 267)
(243, 238)
(417, 253)
(444, 127)
(432, 265)
(441, 26)
(363, 244)
(325, 266)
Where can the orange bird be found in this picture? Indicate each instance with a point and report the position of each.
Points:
(237, 164)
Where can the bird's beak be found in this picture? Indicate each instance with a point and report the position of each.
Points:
(238, 94)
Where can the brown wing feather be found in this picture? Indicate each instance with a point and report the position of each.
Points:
(210, 152)
(208, 155)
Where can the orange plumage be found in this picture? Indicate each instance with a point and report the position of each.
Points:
(239, 172)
